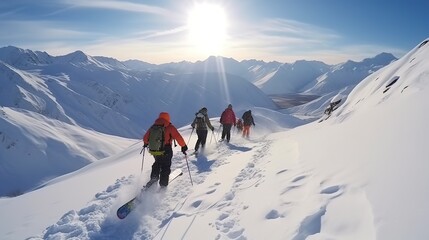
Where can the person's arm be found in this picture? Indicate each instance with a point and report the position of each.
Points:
(176, 135)
(235, 119)
(207, 120)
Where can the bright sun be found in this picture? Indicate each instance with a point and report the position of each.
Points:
(207, 28)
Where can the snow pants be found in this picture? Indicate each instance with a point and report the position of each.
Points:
(161, 168)
(202, 137)
(246, 131)
(226, 131)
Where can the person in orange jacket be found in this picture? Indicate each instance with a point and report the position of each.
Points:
(161, 168)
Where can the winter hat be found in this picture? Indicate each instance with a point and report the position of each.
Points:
(165, 116)
(229, 106)
(203, 110)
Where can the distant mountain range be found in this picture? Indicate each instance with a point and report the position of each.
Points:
(308, 77)
(311, 77)
(81, 96)
(105, 88)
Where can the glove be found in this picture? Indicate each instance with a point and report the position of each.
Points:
(212, 129)
(184, 148)
(145, 145)
(253, 124)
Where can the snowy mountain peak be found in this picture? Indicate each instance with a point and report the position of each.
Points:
(77, 57)
(23, 57)
(381, 59)
(139, 65)
(309, 64)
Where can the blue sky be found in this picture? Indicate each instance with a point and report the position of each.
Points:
(159, 31)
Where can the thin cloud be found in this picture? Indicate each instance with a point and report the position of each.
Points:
(117, 5)
(288, 40)
(283, 32)
(155, 34)
(39, 30)
(10, 13)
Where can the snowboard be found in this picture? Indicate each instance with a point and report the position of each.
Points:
(125, 209)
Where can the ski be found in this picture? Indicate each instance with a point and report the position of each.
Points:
(125, 209)
(324, 118)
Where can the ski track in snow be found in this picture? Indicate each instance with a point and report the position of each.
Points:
(152, 217)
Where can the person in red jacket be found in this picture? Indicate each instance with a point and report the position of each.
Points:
(227, 119)
(161, 168)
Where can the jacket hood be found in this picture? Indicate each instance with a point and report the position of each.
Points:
(165, 115)
(200, 115)
(162, 121)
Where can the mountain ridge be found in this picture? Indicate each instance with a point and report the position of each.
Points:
(104, 95)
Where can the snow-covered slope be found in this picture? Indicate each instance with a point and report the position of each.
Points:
(35, 148)
(99, 94)
(260, 69)
(317, 78)
(291, 78)
(347, 74)
(361, 174)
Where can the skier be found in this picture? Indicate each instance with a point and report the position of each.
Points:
(227, 119)
(247, 122)
(161, 167)
(239, 126)
(201, 122)
(334, 104)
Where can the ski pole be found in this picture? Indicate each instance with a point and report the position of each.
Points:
(142, 151)
(220, 126)
(190, 177)
(190, 136)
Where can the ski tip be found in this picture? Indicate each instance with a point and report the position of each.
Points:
(120, 215)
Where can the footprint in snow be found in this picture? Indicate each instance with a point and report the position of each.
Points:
(196, 203)
(299, 178)
(282, 171)
(273, 214)
(223, 216)
(334, 191)
(211, 191)
(310, 225)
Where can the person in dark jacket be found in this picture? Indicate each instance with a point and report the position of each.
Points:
(161, 168)
(247, 122)
(201, 123)
(227, 119)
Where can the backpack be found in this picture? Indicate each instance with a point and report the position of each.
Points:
(247, 118)
(200, 121)
(239, 124)
(156, 140)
